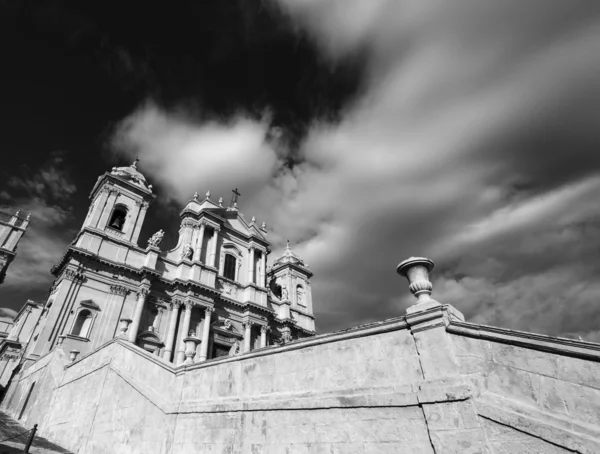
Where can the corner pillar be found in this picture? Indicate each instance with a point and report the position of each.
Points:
(205, 334)
(445, 392)
(247, 336)
(174, 309)
(198, 245)
(213, 248)
(187, 317)
(137, 314)
(263, 335)
(251, 266)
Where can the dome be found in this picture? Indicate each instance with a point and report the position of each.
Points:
(289, 257)
(132, 175)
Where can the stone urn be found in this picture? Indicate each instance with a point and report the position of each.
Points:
(191, 343)
(416, 270)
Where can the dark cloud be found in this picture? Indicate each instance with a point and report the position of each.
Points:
(366, 132)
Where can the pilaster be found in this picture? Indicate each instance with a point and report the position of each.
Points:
(453, 423)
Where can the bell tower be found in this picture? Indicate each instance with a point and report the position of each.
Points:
(120, 200)
(289, 280)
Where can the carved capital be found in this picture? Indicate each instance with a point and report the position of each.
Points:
(247, 325)
(176, 304)
(208, 311)
(189, 305)
(143, 292)
(265, 329)
(75, 275)
(119, 290)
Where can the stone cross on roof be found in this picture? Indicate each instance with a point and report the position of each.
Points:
(234, 197)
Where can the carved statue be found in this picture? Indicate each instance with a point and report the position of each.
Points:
(300, 295)
(156, 238)
(235, 348)
(284, 293)
(187, 252)
(227, 323)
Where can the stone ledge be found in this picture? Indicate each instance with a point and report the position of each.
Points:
(560, 345)
(562, 432)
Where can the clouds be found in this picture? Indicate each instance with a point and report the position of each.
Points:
(6, 313)
(474, 142)
(45, 193)
(187, 157)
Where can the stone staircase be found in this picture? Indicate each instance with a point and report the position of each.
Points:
(13, 437)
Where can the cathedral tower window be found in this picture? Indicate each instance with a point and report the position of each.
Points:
(117, 219)
(300, 295)
(82, 324)
(229, 268)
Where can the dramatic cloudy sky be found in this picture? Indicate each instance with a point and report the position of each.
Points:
(362, 131)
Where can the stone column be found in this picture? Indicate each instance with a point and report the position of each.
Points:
(213, 247)
(198, 247)
(205, 334)
(247, 336)
(22, 323)
(137, 314)
(187, 317)
(251, 266)
(263, 335)
(174, 309)
(263, 268)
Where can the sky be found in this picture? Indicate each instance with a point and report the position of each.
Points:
(363, 132)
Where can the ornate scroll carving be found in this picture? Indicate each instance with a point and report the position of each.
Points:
(119, 290)
(75, 275)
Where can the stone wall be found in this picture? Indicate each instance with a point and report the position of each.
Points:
(424, 383)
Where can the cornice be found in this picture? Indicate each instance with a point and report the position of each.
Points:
(559, 345)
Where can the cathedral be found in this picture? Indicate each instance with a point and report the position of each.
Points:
(206, 348)
(212, 295)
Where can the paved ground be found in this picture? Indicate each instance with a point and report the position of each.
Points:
(13, 437)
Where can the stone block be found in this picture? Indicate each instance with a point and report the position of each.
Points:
(579, 403)
(460, 442)
(579, 371)
(514, 384)
(451, 416)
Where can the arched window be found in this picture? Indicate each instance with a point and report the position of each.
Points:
(300, 295)
(229, 268)
(82, 323)
(117, 219)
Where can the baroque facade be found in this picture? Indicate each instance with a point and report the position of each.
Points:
(12, 229)
(210, 296)
(143, 351)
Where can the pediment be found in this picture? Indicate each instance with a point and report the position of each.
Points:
(90, 305)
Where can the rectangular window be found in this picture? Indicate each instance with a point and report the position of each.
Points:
(229, 268)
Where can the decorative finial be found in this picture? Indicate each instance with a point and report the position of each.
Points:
(416, 270)
(18, 213)
(253, 220)
(208, 194)
(195, 195)
(287, 246)
(28, 217)
(221, 202)
(134, 164)
(150, 187)
(264, 226)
